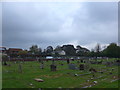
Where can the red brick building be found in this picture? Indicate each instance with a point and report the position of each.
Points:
(13, 50)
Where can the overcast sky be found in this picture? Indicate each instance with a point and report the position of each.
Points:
(81, 23)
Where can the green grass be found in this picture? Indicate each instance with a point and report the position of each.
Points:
(12, 78)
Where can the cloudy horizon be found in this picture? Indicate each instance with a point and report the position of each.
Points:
(50, 24)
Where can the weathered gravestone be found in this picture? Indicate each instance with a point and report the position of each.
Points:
(81, 67)
(84, 61)
(87, 66)
(42, 66)
(39, 60)
(53, 67)
(81, 61)
(20, 68)
(72, 66)
(68, 61)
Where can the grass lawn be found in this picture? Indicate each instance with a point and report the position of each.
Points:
(62, 78)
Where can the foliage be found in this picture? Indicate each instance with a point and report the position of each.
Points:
(112, 51)
(35, 50)
(69, 50)
(49, 50)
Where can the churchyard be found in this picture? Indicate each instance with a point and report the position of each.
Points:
(102, 73)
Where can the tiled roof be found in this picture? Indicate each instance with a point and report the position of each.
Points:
(15, 49)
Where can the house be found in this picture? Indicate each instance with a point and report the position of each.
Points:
(14, 50)
(62, 52)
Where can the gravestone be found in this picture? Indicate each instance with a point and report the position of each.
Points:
(87, 66)
(117, 62)
(92, 70)
(110, 73)
(68, 61)
(72, 59)
(72, 66)
(81, 61)
(39, 60)
(108, 64)
(112, 69)
(84, 61)
(53, 67)
(20, 68)
(81, 67)
(42, 66)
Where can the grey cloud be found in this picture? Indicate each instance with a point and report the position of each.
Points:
(54, 24)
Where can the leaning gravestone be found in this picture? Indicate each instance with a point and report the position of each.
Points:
(72, 66)
(81, 67)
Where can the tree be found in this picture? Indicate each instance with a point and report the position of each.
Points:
(80, 51)
(78, 47)
(112, 50)
(57, 50)
(69, 50)
(49, 50)
(35, 50)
